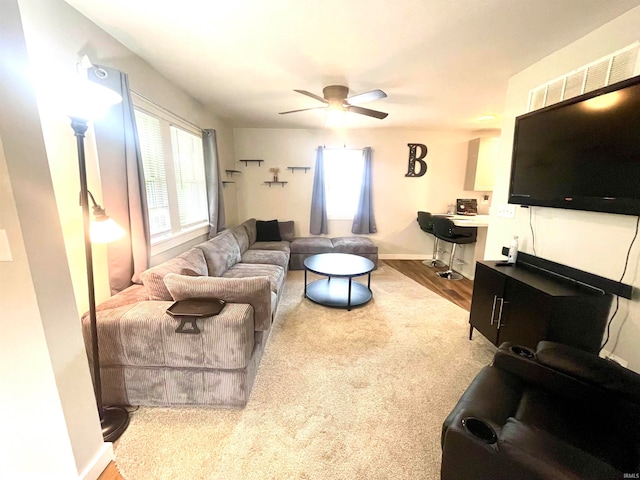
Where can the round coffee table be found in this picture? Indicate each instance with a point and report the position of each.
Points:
(338, 290)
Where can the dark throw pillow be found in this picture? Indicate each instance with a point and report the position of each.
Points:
(267, 231)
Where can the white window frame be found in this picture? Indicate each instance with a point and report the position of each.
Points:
(178, 234)
(339, 177)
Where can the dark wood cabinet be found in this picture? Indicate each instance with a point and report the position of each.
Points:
(523, 306)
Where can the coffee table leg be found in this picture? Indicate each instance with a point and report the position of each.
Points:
(305, 283)
(369, 281)
(349, 295)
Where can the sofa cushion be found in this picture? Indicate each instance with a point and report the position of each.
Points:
(355, 245)
(312, 245)
(274, 272)
(255, 291)
(191, 262)
(220, 253)
(590, 369)
(267, 231)
(240, 233)
(132, 294)
(286, 230)
(541, 455)
(250, 227)
(281, 246)
(270, 257)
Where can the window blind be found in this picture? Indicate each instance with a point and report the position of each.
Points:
(191, 189)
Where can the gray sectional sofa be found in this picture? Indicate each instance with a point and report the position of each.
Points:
(144, 361)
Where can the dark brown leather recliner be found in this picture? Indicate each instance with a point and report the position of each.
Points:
(556, 413)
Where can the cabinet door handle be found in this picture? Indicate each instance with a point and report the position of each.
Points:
(500, 322)
(493, 309)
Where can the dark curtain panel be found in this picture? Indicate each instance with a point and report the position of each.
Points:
(122, 178)
(364, 221)
(318, 224)
(214, 182)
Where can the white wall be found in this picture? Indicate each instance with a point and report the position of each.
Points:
(50, 425)
(396, 198)
(594, 242)
(57, 36)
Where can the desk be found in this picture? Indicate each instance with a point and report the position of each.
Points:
(469, 255)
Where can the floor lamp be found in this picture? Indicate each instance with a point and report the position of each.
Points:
(92, 102)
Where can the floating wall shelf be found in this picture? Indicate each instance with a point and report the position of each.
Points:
(293, 169)
(231, 172)
(277, 183)
(246, 162)
(225, 183)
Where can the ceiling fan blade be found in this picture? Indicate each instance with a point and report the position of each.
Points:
(366, 111)
(367, 96)
(302, 110)
(312, 95)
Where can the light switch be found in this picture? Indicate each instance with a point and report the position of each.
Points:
(5, 251)
(507, 211)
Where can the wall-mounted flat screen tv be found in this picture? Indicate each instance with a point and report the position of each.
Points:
(581, 154)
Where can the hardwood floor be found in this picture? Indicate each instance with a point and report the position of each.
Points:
(458, 292)
(111, 473)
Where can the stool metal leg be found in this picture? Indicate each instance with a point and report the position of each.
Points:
(434, 262)
(450, 274)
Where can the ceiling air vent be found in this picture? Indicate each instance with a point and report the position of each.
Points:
(618, 66)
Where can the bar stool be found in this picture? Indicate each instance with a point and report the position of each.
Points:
(444, 229)
(425, 220)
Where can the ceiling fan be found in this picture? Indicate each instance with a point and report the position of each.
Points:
(335, 98)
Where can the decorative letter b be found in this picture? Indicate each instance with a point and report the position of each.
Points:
(413, 158)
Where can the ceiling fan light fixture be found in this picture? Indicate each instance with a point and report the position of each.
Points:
(335, 115)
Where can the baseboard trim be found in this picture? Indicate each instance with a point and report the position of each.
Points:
(99, 462)
(403, 256)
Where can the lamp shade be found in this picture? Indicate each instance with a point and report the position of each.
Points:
(88, 100)
(105, 229)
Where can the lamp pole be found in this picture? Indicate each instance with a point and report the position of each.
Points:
(114, 420)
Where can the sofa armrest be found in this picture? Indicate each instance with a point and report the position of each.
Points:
(255, 291)
(479, 399)
(143, 334)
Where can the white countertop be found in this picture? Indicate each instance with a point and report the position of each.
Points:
(470, 220)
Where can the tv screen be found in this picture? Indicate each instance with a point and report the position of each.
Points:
(582, 154)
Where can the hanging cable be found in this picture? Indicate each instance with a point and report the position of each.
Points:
(533, 237)
(624, 271)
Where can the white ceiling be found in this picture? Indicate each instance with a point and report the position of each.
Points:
(442, 63)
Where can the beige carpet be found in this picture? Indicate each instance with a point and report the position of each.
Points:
(339, 395)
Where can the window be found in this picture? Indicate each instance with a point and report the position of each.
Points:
(174, 172)
(343, 169)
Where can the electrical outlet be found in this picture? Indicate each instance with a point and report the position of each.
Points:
(507, 211)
